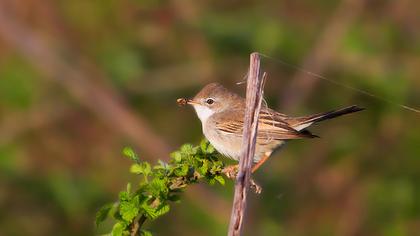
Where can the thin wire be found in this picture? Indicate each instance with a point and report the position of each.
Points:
(314, 75)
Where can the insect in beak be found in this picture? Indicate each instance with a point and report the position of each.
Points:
(185, 101)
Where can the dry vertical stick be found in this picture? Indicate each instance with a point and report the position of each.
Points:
(253, 107)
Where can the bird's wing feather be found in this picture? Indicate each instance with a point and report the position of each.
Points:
(271, 126)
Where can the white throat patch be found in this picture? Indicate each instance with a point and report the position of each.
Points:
(203, 112)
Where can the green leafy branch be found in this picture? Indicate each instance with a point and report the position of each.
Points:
(160, 185)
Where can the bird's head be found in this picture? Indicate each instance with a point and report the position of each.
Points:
(214, 98)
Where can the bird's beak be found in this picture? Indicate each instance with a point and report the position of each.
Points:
(185, 101)
(192, 102)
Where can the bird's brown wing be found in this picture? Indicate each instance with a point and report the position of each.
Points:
(271, 126)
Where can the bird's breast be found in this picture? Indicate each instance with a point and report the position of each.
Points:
(228, 145)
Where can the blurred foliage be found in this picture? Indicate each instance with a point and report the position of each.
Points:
(59, 159)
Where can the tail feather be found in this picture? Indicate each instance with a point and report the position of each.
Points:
(303, 122)
(332, 114)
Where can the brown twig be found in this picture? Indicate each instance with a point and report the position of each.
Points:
(135, 229)
(253, 106)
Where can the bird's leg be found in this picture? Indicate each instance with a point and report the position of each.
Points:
(261, 161)
(231, 171)
(255, 186)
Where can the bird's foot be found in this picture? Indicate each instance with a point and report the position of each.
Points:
(231, 171)
(253, 185)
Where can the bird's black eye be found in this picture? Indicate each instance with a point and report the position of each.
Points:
(209, 101)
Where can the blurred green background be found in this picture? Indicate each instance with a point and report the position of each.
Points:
(79, 80)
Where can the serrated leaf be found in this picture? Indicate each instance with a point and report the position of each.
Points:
(182, 170)
(220, 179)
(203, 145)
(216, 167)
(129, 152)
(124, 196)
(187, 149)
(148, 211)
(118, 229)
(103, 213)
(162, 209)
(204, 167)
(176, 156)
(130, 209)
(160, 185)
(210, 149)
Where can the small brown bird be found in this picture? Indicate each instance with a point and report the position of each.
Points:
(222, 112)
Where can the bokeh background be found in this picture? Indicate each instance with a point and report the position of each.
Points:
(79, 80)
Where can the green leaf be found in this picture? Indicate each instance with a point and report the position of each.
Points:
(182, 170)
(149, 211)
(176, 156)
(153, 213)
(216, 167)
(162, 209)
(136, 169)
(220, 179)
(124, 196)
(187, 149)
(119, 229)
(210, 149)
(130, 209)
(103, 213)
(129, 152)
(206, 147)
(158, 186)
(204, 167)
(142, 168)
(146, 168)
(203, 145)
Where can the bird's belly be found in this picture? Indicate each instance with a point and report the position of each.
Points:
(227, 145)
(230, 145)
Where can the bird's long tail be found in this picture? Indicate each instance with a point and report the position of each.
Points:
(301, 123)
